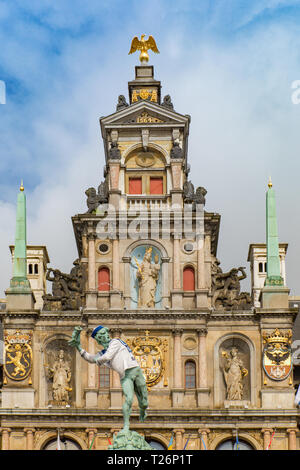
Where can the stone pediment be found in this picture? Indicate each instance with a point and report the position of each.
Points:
(144, 113)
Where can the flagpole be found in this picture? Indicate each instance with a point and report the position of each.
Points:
(269, 445)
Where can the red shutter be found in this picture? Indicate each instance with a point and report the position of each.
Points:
(156, 186)
(188, 278)
(103, 279)
(135, 185)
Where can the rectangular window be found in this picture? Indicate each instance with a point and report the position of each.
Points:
(135, 185)
(156, 186)
(103, 377)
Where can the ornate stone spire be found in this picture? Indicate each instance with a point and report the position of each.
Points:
(273, 260)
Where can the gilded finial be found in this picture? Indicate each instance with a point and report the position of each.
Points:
(143, 46)
(21, 187)
(270, 182)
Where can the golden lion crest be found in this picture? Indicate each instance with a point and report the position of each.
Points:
(17, 355)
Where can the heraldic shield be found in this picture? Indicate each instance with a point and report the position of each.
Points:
(277, 354)
(17, 355)
(150, 351)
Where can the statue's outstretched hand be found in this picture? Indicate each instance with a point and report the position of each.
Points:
(75, 341)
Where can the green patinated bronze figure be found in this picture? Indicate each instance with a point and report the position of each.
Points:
(117, 355)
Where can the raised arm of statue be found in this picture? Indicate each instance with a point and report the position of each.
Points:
(244, 275)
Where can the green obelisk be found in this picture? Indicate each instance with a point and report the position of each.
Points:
(274, 294)
(19, 294)
(273, 261)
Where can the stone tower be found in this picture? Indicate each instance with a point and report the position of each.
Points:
(147, 268)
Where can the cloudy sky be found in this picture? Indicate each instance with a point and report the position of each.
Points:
(229, 64)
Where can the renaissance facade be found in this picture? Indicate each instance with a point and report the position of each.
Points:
(217, 361)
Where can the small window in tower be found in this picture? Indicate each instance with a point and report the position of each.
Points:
(188, 279)
(261, 267)
(36, 269)
(156, 185)
(265, 267)
(30, 271)
(190, 374)
(135, 185)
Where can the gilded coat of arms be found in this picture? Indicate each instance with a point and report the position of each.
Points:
(17, 355)
(150, 353)
(277, 356)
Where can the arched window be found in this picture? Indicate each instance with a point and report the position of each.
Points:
(103, 376)
(260, 267)
(36, 269)
(30, 269)
(155, 444)
(103, 279)
(190, 374)
(234, 444)
(188, 278)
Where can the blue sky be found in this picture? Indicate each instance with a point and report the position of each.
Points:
(229, 64)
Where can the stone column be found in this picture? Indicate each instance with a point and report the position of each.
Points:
(5, 438)
(202, 389)
(91, 393)
(29, 438)
(91, 297)
(115, 295)
(179, 438)
(292, 439)
(267, 437)
(202, 288)
(177, 391)
(203, 434)
(116, 397)
(177, 288)
(91, 435)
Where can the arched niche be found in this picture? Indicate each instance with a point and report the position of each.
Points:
(59, 365)
(48, 441)
(132, 258)
(137, 157)
(234, 355)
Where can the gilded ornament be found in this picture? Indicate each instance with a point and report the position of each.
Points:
(145, 118)
(18, 355)
(143, 46)
(150, 352)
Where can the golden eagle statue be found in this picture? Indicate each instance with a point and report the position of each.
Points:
(143, 46)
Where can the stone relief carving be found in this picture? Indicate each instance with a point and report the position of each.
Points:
(68, 290)
(176, 151)
(225, 288)
(114, 151)
(234, 372)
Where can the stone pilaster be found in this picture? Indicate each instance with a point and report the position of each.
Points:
(177, 289)
(267, 436)
(91, 432)
(292, 438)
(91, 296)
(115, 294)
(91, 393)
(202, 389)
(5, 438)
(29, 438)
(177, 391)
(179, 433)
(203, 437)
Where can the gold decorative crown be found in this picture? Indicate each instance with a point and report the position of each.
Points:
(278, 337)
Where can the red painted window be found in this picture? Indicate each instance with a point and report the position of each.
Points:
(103, 279)
(135, 185)
(188, 278)
(156, 186)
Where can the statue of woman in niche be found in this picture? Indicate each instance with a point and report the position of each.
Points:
(61, 374)
(234, 372)
(147, 276)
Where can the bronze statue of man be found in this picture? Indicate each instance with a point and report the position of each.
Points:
(118, 356)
